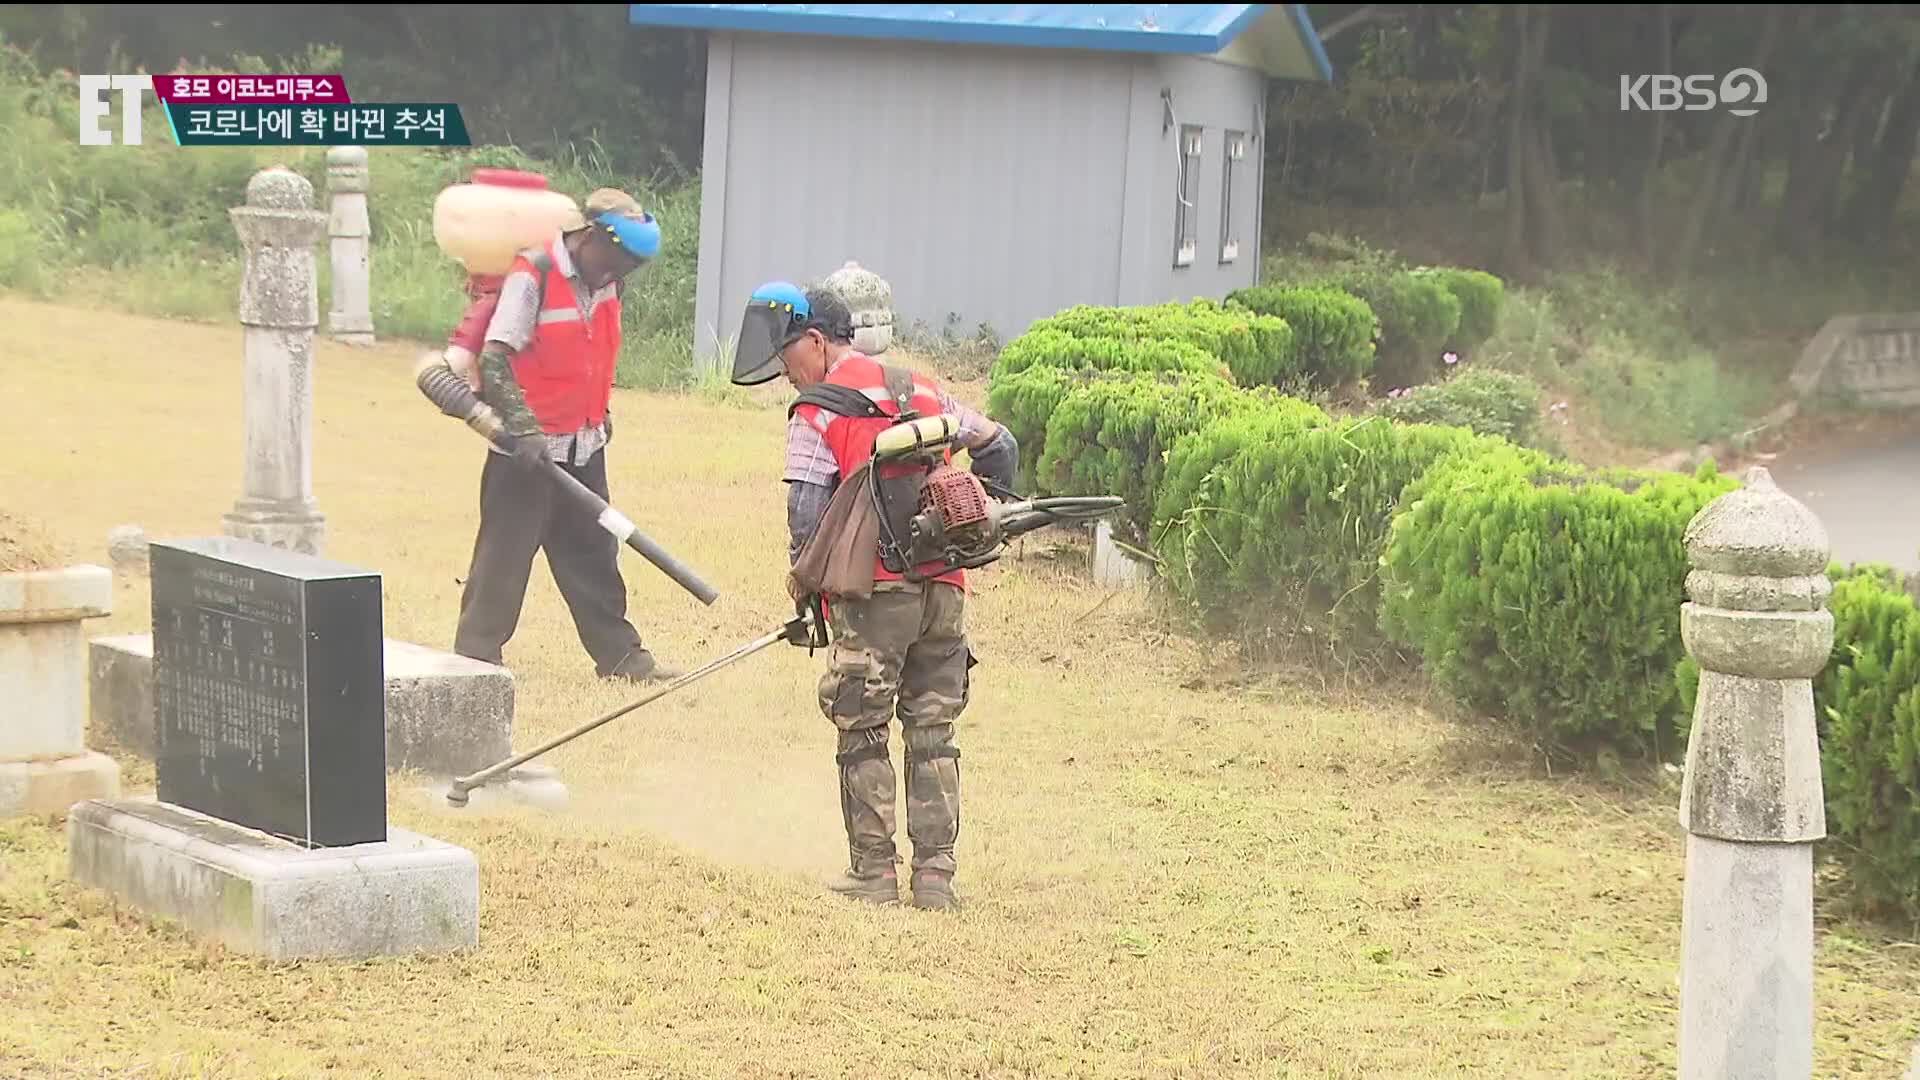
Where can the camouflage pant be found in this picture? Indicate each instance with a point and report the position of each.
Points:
(905, 651)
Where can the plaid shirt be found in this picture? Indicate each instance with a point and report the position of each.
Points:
(810, 460)
(514, 323)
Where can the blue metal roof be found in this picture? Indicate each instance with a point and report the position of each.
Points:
(1155, 28)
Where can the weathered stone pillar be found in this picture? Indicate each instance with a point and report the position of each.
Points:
(350, 317)
(45, 766)
(279, 305)
(870, 300)
(1751, 801)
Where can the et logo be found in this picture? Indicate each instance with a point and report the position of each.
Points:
(94, 107)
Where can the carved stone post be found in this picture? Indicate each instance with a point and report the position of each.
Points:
(279, 304)
(1751, 801)
(350, 318)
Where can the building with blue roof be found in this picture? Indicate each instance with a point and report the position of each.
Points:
(994, 162)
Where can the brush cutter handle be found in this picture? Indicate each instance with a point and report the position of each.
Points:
(451, 393)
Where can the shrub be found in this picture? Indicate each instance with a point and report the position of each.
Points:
(1485, 401)
(1869, 700)
(1417, 318)
(1305, 514)
(1547, 594)
(1481, 296)
(1024, 401)
(1333, 331)
(1108, 436)
(1059, 349)
(1258, 349)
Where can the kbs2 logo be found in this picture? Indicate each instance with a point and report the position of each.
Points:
(1734, 90)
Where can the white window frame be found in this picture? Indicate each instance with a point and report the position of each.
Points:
(1186, 219)
(1233, 153)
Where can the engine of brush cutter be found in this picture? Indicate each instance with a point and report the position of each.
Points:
(957, 523)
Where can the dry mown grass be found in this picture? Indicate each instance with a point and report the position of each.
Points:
(1166, 878)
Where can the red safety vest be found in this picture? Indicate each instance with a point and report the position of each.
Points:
(851, 439)
(566, 371)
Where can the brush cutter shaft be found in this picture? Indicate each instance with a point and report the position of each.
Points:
(468, 783)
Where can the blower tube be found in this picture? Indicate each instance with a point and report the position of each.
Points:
(455, 398)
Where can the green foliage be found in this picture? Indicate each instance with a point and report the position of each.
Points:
(1486, 401)
(1333, 331)
(1547, 594)
(1289, 511)
(1108, 436)
(1481, 296)
(1672, 399)
(1024, 401)
(22, 258)
(1869, 700)
(1418, 317)
(1258, 349)
(1057, 348)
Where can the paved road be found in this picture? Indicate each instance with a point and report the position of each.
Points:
(1868, 496)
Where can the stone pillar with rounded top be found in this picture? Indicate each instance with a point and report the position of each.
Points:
(45, 766)
(279, 304)
(349, 316)
(1751, 802)
(870, 300)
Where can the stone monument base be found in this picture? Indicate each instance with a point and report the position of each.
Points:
(54, 785)
(447, 715)
(294, 525)
(269, 897)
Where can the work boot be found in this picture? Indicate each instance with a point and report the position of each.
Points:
(639, 666)
(882, 888)
(933, 891)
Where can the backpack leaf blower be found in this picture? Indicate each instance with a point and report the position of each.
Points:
(455, 397)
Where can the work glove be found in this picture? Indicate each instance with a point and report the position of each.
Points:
(530, 451)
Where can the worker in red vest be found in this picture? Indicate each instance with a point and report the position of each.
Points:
(547, 368)
(905, 647)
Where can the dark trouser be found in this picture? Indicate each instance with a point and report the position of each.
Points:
(521, 513)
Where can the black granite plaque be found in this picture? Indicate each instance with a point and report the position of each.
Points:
(270, 690)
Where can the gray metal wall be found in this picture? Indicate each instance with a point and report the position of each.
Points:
(1217, 98)
(983, 183)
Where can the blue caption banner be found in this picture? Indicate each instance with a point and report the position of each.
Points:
(244, 124)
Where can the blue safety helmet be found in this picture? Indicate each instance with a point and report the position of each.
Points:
(638, 236)
(777, 314)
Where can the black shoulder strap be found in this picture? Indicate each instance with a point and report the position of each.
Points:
(838, 400)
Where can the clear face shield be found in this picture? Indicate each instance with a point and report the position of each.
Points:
(767, 327)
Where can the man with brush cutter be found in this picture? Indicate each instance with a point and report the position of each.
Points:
(898, 644)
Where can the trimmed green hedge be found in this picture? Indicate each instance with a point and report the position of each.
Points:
(1481, 296)
(1548, 594)
(1296, 511)
(1333, 331)
(1107, 437)
(1024, 401)
(1055, 348)
(1418, 318)
(1258, 349)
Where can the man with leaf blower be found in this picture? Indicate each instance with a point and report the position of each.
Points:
(546, 368)
(899, 627)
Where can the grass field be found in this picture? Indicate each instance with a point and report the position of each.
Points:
(1172, 869)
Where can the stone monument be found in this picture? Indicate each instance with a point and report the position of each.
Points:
(45, 766)
(279, 308)
(270, 830)
(870, 300)
(349, 316)
(1751, 801)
